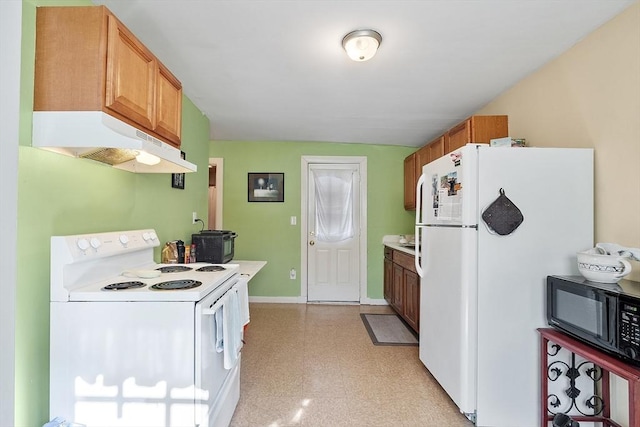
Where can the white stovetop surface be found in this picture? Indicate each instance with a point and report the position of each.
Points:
(210, 281)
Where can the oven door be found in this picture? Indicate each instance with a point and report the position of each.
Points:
(217, 387)
(587, 312)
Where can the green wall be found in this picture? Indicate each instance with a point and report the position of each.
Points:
(60, 195)
(264, 231)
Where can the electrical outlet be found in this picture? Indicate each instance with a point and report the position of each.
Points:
(194, 216)
(292, 274)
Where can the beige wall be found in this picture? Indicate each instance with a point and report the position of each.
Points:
(590, 97)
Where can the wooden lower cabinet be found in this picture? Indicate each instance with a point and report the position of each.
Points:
(397, 301)
(412, 299)
(388, 279)
(402, 286)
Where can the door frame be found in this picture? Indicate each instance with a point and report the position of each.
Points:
(361, 161)
(218, 162)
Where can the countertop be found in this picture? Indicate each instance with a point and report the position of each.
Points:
(249, 268)
(396, 246)
(393, 241)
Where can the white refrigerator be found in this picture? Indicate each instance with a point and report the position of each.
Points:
(483, 288)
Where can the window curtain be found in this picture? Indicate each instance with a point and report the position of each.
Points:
(334, 211)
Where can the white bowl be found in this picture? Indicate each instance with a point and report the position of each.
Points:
(597, 267)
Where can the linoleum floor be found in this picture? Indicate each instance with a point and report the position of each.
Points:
(315, 365)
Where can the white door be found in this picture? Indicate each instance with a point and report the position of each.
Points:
(333, 232)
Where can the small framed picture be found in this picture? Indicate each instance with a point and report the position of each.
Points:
(177, 179)
(265, 187)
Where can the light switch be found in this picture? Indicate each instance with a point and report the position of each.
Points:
(294, 220)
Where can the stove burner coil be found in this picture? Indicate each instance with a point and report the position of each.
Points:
(208, 268)
(176, 285)
(174, 269)
(123, 285)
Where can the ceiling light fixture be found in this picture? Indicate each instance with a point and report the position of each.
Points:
(361, 45)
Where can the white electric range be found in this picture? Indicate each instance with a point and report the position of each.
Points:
(138, 343)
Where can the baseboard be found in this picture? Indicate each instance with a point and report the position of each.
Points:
(279, 300)
(302, 300)
(371, 301)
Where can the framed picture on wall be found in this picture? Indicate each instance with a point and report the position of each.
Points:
(265, 187)
(177, 179)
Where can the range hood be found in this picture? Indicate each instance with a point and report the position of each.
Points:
(98, 136)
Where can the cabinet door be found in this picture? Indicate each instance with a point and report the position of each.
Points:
(486, 128)
(412, 299)
(422, 158)
(169, 106)
(388, 280)
(131, 76)
(410, 181)
(436, 148)
(478, 129)
(398, 289)
(458, 136)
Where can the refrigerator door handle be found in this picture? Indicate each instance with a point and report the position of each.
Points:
(419, 186)
(418, 227)
(416, 260)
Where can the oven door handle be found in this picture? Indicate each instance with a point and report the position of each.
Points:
(216, 305)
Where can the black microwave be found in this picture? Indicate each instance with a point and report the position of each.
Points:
(604, 315)
(214, 246)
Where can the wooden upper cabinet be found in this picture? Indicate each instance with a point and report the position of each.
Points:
(87, 60)
(422, 158)
(168, 105)
(478, 129)
(132, 69)
(410, 180)
(436, 148)
(424, 155)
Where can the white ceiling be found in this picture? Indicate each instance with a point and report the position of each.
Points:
(275, 70)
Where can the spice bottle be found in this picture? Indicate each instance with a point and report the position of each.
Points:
(192, 253)
(180, 248)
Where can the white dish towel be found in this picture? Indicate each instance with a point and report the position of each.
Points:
(231, 328)
(243, 297)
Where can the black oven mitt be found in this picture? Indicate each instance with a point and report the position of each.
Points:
(502, 216)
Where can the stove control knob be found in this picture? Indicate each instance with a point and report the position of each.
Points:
(95, 243)
(146, 236)
(153, 236)
(124, 239)
(83, 244)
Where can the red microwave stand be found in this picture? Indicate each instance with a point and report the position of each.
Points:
(608, 364)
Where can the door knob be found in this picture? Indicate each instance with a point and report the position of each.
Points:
(311, 243)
